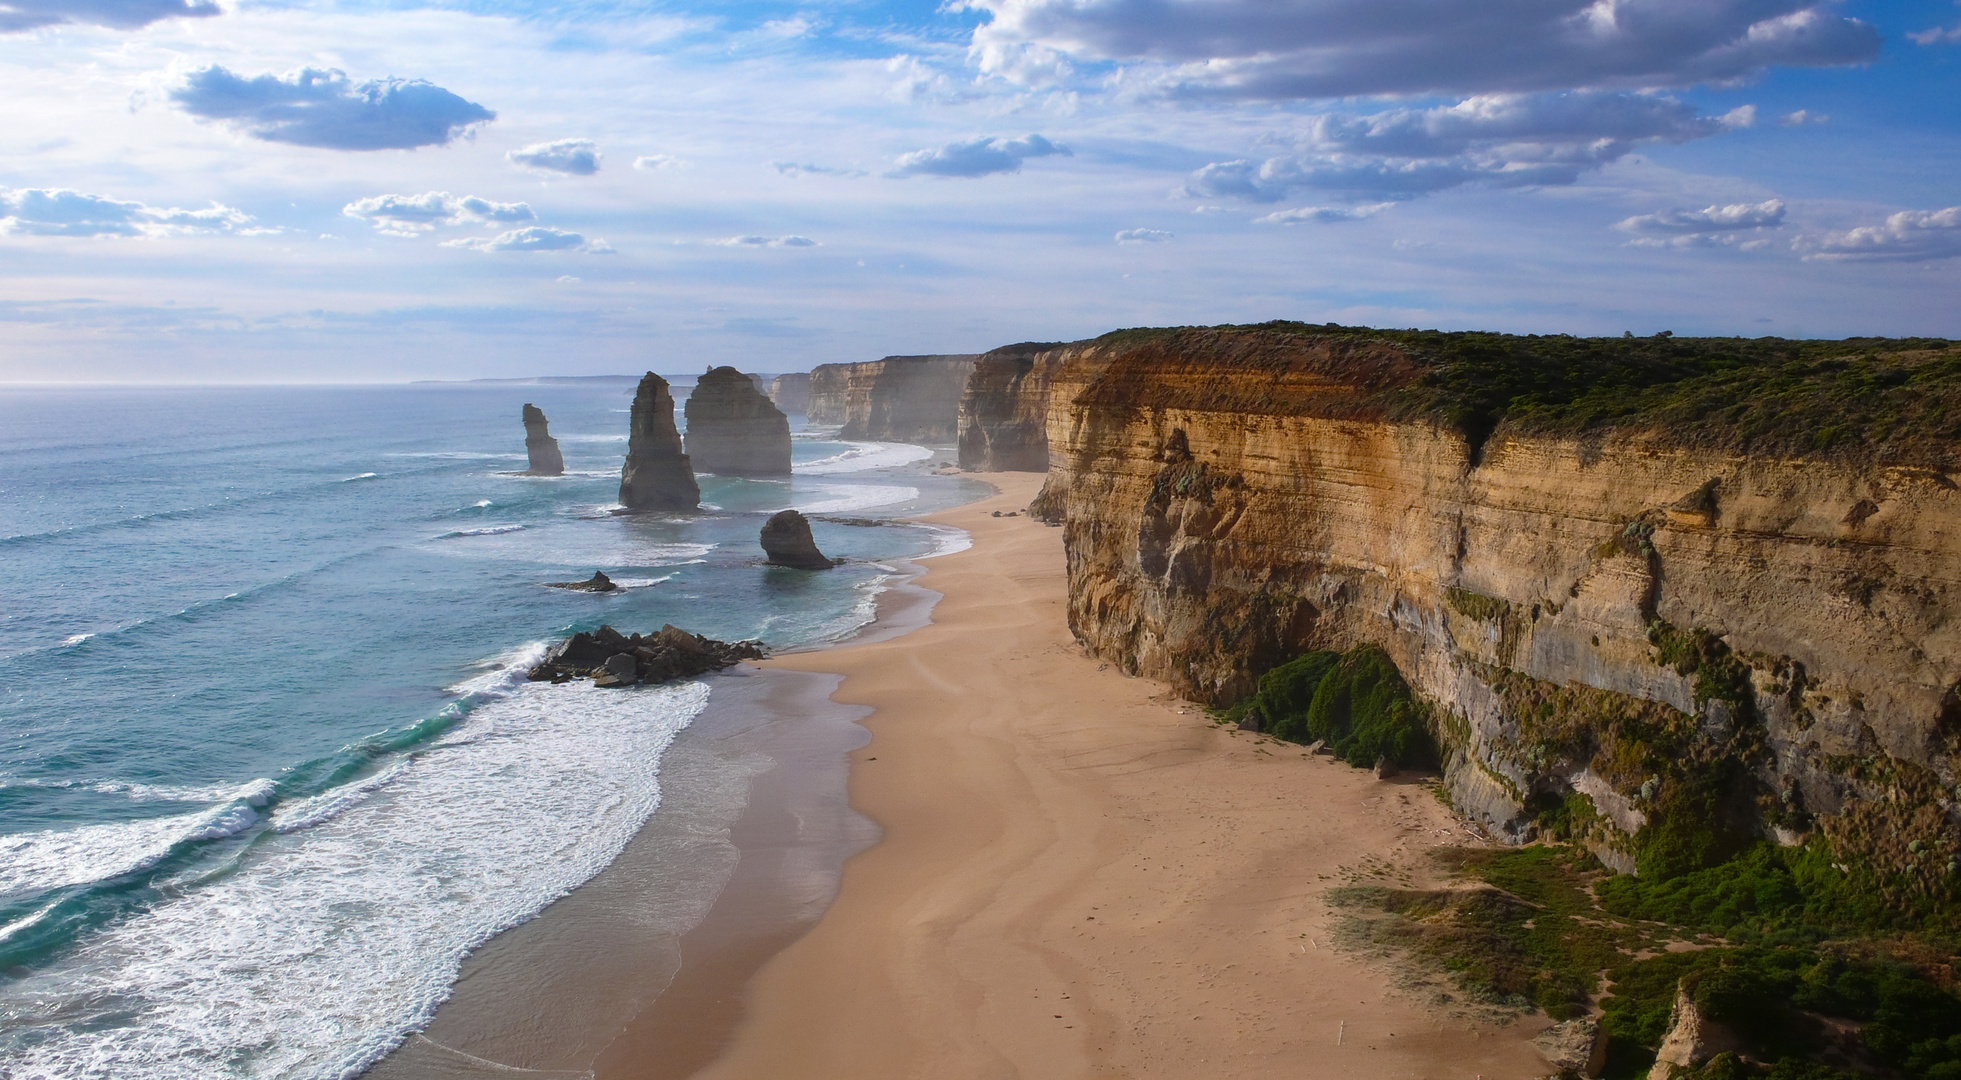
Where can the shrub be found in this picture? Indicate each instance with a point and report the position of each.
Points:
(1357, 702)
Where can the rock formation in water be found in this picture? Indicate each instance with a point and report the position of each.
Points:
(1004, 410)
(791, 392)
(787, 541)
(733, 430)
(899, 398)
(1711, 584)
(657, 475)
(598, 582)
(611, 658)
(539, 446)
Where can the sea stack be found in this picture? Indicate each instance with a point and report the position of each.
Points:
(657, 475)
(540, 446)
(787, 542)
(733, 430)
(791, 392)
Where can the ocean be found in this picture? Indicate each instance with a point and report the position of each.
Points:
(269, 766)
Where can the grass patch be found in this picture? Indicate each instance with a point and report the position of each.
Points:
(1357, 702)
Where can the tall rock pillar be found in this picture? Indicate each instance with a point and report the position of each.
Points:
(733, 430)
(657, 475)
(539, 445)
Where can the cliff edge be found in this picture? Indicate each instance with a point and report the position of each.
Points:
(899, 398)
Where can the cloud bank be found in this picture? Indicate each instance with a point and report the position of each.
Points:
(408, 215)
(533, 238)
(1908, 236)
(1322, 215)
(1711, 226)
(18, 15)
(765, 241)
(1305, 49)
(61, 212)
(1143, 236)
(980, 156)
(574, 157)
(312, 107)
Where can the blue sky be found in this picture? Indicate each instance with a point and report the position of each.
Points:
(239, 191)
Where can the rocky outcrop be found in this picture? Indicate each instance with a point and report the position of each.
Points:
(657, 474)
(1004, 409)
(791, 392)
(733, 430)
(539, 446)
(1574, 1048)
(899, 398)
(611, 658)
(1754, 625)
(1692, 1038)
(787, 541)
(598, 582)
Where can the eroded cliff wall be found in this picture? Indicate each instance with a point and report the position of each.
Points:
(1624, 610)
(791, 393)
(901, 398)
(1004, 409)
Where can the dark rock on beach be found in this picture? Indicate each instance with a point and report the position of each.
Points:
(611, 658)
(787, 541)
(657, 475)
(599, 582)
(539, 446)
(733, 429)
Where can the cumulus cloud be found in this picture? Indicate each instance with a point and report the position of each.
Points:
(1303, 49)
(1939, 35)
(976, 157)
(1501, 140)
(1711, 226)
(1908, 236)
(18, 15)
(407, 215)
(1801, 118)
(61, 212)
(1323, 215)
(577, 157)
(765, 241)
(793, 168)
(659, 163)
(312, 107)
(1143, 236)
(533, 238)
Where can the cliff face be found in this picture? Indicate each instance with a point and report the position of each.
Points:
(791, 393)
(1004, 409)
(900, 398)
(733, 430)
(539, 446)
(657, 475)
(1627, 613)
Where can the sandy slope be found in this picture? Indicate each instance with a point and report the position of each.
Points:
(1082, 877)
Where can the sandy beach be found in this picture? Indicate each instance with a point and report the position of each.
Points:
(1080, 875)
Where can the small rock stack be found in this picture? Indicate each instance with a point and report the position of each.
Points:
(611, 658)
(787, 541)
(539, 446)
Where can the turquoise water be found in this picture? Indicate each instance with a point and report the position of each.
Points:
(268, 765)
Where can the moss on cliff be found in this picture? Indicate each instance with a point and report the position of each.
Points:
(1357, 702)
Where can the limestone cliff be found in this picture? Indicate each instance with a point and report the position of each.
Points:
(657, 475)
(900, 398)
(539, 446)
(733, 430)
(791, 393)
(1719, 576)
(1004, 409)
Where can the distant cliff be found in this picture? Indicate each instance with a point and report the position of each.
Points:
(1004, 409)
(733, 430)
(1691, 584)
(899, 398)
(791, 393)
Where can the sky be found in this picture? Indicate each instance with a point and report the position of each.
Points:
(245, 191)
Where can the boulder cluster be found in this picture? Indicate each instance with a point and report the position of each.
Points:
(611, 658)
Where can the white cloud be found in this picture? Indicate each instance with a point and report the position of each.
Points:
(1801, 118)
(1908, 236)
(407, 215)
(1307, 49)
(1143, 236)
(1737, 225)
(659, 163)
(793, 168)
(765, 241)
(533, 238)
(1939, 35)
(61, 212)
(18, 15)
(1323, 215)
(576, 157)
(1498, 140)
(323, 108)
(979, 156)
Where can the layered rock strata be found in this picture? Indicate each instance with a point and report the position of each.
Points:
(787, 541)
(899, 398)
(657, 474)
(1632, 613)
(1003, 425)
(733, 430)
(611, 658)
(791, 392)
(539, 446)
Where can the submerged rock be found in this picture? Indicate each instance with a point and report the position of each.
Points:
(787, 541)
(733, 430)
(599, 582)
(539, 446)
(611, 658)
(657, 474)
